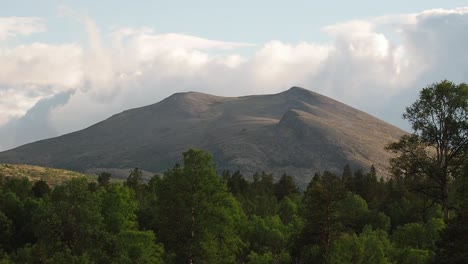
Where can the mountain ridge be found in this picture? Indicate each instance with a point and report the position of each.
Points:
(297, 131)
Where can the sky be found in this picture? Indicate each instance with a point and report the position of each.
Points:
(65, 65)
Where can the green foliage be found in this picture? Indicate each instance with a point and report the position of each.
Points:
(288, 209)
(70, 218)
(453, 246)
(75, 224)
(147, 213)
(6, 231)
(322, 211)
(255, 258)
(21, 187)
(104, 179)
(40, 188)
(198, 218)
(134, 180)
(353, 212)
(418, 235)
(17, 214)
(66, 256)
(269, 235)
(436, 150)
(371, 246)
(413, 256)
(236, 183)
(285, 187)
(118, 208)
(138, 247)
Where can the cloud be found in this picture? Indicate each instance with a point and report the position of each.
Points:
(376, 64)
(34, 125)
(11, 27)
(29, 73)
(41, 64)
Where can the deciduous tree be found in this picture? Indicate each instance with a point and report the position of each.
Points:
(434, 152)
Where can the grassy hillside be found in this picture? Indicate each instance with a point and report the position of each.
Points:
(34, 173)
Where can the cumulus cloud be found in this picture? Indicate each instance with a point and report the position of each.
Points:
(29, 73)
(34, 125)
(377, 64)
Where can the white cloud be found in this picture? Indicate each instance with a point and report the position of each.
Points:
(11, 27)
(41, 64)
(376, 64)
(29, 73)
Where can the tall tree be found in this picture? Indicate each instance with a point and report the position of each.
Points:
(198, 218)
(321, 205)
(434, 152)
(285, 186)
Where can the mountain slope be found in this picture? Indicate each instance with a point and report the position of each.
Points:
(296, 131)
(35, 173)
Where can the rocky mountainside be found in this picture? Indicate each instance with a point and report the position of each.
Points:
(297, 131)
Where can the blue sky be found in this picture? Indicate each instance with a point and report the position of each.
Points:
(247, 21)
(65, 65)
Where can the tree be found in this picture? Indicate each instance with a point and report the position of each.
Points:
(134, 179)
(285, 186)
(104, 179)
(452, 247)
(236, 183)
(371, 246)
(418, 235)
(353, 213)
(118, 208)
(147, 212)
(134, 246)
(347, 178)
(40, 188)
(6, 231)
(70, 219)
(434, 152)
(268, 235)
(18, 209)
(197, 218)
(321, 211)
(262, 199)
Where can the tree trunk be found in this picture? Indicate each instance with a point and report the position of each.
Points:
(445, 202)
(192, 235)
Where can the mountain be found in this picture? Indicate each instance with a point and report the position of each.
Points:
(297, 131)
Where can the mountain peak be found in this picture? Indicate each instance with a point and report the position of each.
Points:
(296, 89)
(297, 131)
(193, 95)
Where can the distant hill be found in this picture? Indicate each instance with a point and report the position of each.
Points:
(297, 131)
(35, 173)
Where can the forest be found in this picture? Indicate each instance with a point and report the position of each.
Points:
(190, 214)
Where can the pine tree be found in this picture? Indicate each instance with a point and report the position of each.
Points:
(198, 218)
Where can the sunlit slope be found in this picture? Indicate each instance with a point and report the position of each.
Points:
(35, 173)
